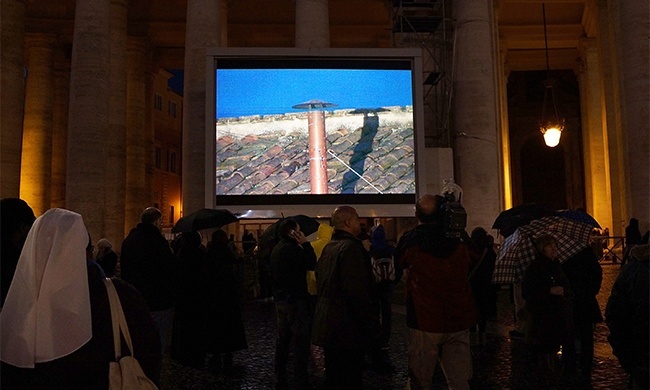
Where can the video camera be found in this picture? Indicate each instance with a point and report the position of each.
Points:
(454, 216)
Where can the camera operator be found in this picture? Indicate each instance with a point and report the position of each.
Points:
(436, 258)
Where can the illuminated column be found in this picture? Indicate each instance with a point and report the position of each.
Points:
(60, 109)
(149, 135)
(504, 139)
(635, 94)
(115, 179)
(12, 19)
(594, 135)
(36, 167)
(312, 23)
(608, 44)
(475, 111)
(88, 118)
(202, 32)
(135, 199)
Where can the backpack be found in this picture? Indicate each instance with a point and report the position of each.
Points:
(383, 269)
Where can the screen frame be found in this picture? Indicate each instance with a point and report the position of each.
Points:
(274, 206)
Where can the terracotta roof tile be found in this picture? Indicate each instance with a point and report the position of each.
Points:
(278, 162)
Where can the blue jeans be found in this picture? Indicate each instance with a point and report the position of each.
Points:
(292, 318)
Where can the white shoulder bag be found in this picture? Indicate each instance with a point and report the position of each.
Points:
(125, 372)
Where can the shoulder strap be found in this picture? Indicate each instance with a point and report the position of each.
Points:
(118, 320)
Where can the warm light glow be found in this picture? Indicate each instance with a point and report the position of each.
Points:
(552, 136)
(551, 129)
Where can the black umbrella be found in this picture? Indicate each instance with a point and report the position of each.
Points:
(269, 237)
(521, 215)
(578, 215)
(204, 219)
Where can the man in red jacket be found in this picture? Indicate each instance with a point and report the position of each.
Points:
(439, 303)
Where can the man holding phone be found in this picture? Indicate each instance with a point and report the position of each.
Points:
(290, 260)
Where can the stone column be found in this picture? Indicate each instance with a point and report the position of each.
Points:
(475, 111)
(149, 135)
(115, 178)
(607, 44)
(36, 167)
(594, 135)
(202, 32)
(60, 110)
(12, 19)
(88, 119)
(504, 133)
(136, 65)
(312, 23)
(635, 94)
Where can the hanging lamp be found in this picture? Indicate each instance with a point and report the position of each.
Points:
(550, 124)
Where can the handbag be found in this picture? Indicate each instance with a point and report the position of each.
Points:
(125, 372)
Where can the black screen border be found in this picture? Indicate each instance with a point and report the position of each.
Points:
(288, 58)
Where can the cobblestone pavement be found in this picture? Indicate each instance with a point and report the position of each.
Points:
(500, 363)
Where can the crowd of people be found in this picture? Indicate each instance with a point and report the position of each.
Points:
(185, 299)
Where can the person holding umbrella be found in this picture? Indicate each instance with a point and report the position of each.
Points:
(546, 291)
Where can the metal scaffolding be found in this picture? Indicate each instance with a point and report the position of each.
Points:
(427, 24)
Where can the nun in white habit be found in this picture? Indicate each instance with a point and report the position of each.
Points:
(55, 326)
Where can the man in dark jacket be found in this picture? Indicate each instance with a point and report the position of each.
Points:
(346, 323)
(439, 302)
(627, 316)
(146, 262)
(290, 260)
(585, 276)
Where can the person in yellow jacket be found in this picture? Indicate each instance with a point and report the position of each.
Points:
(323, 236)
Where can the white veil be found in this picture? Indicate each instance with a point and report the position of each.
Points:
(47, 311)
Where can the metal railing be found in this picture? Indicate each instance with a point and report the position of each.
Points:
(613, 248)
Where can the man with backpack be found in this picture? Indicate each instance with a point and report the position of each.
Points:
(384, 276)
(383, 270)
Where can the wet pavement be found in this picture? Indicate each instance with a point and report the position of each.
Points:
(499, 363)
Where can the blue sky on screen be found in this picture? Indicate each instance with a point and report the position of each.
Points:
(243, 92)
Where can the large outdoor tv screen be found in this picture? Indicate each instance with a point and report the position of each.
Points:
(317, 129)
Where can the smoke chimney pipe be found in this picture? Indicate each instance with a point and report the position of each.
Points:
(317, 147)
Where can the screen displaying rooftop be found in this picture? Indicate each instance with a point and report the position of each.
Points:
(327, 130)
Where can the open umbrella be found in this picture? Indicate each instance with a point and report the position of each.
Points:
(578, 215)
(518, 251)
(204, 219)
(269, 237)
(509, 220)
